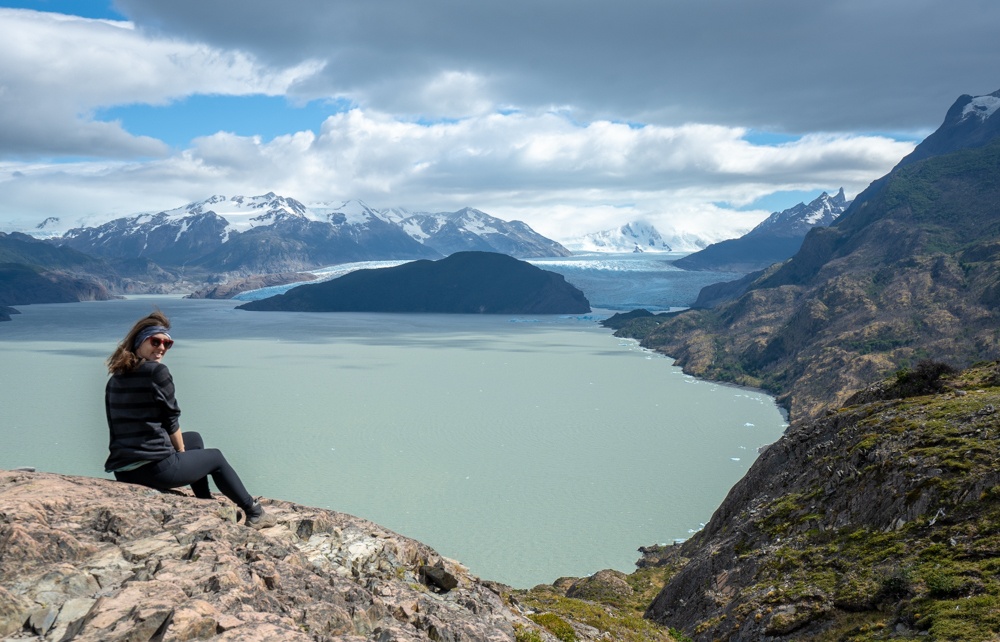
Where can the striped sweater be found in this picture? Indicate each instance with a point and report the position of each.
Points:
(142, 414)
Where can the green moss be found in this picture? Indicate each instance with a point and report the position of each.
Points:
(620, 619)
(524, 634)
(974, 619)
(555, 625)
(867, 443)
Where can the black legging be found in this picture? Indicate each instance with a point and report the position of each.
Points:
(193, 466)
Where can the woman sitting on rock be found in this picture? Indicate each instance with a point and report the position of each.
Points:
(146, 443)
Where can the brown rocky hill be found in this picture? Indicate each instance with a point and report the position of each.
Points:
(910, 271)
(875, 522)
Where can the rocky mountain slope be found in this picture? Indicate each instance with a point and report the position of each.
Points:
(464, 283)
(874, 522)
(910, 270)
(776, 239)
(32, 271)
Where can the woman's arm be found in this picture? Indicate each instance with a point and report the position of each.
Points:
(177, 439)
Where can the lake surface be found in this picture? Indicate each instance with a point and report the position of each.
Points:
(528, 448)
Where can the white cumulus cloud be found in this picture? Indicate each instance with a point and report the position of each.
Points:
(561, 177)
(56, 71)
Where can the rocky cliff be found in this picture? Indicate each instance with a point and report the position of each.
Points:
(876, 521)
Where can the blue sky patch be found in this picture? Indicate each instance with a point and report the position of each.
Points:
(102, 9)
(178, 123)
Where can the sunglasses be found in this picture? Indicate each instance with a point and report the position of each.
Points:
(156, 342)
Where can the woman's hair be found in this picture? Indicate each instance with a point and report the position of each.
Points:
(124, 357)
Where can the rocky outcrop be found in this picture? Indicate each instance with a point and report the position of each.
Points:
(92, 559)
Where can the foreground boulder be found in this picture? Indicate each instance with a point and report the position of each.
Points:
(93, 559)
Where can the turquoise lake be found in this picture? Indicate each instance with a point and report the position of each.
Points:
(527, 448)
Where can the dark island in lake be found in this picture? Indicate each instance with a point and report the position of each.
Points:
(463, 283)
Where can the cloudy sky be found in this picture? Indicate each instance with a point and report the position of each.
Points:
(571, 115)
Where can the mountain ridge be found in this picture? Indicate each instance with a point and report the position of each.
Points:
(220, 234)
(911, 269)
(773, 240)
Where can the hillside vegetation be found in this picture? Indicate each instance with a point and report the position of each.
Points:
(876, 521)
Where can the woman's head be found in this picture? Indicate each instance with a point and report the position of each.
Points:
(138, 344)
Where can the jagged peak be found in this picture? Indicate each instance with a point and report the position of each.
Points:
(820, 211)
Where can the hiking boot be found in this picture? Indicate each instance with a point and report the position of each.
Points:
(258, 518)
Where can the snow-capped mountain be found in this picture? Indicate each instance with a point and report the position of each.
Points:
(272, 233)
(971, 122)
(48, 224)
(637, 236)
(267, 233)
(797, 221)
(776, 238)
(352, 212)
(471, 229)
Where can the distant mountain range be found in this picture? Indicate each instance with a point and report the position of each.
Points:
(271, 233)
(775, 239)
(239, 240)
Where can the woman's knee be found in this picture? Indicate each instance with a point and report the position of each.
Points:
(193, 441)
(215, 458)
